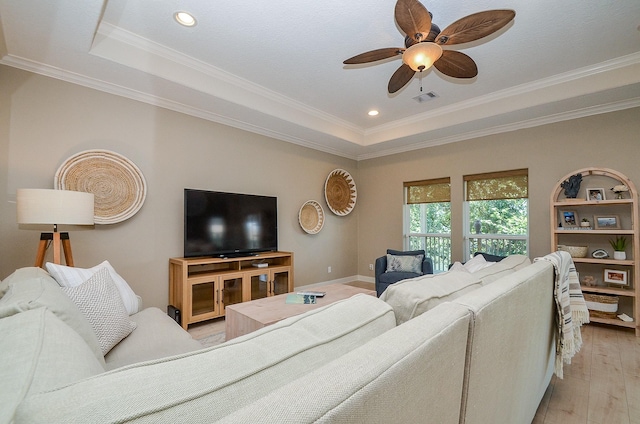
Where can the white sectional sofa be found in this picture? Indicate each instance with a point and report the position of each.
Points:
(485, 355)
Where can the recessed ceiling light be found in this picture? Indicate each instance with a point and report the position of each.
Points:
(185, 18)
(373, 112)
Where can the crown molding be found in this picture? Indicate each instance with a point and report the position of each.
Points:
(530, 123)
(128, 49)
(526, 89)
(606, 75)
(118, 90)
(523, 89)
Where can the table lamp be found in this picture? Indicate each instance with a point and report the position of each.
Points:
(46, 207)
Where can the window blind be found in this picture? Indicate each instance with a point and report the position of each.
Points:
(428, 191)
(497, 185)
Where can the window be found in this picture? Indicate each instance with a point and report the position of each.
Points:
(427, 220)
(496, 213)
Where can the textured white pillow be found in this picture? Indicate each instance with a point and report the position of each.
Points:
(68, 276)
(477, 263)
(458, 267)
(99, 301)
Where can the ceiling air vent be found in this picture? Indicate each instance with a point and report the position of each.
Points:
(425, 97)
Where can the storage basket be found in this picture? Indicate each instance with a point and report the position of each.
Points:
(575, 251)
(601, 306)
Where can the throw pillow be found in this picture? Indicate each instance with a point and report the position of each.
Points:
(32, 288)
(68, 276)
(458, 267)
(477, 263)
(404, 263)
(99, 301)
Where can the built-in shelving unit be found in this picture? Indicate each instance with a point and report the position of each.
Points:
(202, 287)
(625, 210)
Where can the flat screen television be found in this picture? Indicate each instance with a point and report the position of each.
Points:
(222, 224)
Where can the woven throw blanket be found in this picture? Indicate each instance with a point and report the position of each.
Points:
(571, 308)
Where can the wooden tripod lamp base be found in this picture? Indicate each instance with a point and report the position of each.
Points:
(57, 239)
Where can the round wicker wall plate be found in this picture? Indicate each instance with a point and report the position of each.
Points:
(340, 192)
(311, 217)
(118, 185)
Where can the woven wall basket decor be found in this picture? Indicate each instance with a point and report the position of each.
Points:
(340, 192)
(311, 217)
(117, 183)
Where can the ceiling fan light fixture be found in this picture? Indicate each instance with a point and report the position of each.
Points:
(421, 56)
(185, 19)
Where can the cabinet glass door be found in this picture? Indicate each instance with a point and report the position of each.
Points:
(259, 285)
(280, 282)
(202, 298)
(231, 290)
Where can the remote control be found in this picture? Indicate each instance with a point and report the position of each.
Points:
(311, 293)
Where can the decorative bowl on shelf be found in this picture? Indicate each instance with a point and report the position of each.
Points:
(574, 251)
(599, 254)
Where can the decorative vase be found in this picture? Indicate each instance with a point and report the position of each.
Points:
(585, 224)
(621, 256)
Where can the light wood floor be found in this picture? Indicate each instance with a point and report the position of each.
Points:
(602, 383)
(600, 386)
(203, 329)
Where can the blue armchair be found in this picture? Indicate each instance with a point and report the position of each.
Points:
(385, 279)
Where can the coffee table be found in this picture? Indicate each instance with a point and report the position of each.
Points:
(243, 318)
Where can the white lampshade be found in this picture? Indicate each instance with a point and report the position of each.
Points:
(421, 56)
(55, 207)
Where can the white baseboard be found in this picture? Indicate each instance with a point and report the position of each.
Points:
(366, 279)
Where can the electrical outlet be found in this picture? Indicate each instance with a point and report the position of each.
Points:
(329, 270)
(370, 267)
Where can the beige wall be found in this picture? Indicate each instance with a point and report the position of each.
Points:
(549, 152)
(43, 121)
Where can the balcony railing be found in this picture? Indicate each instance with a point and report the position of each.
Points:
(496, 244)
(438, 246)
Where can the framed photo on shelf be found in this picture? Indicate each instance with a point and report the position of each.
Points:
(616, 276)
(595, 194)
(606, 222)
(569, 218)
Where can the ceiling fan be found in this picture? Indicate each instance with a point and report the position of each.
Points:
(423, 42)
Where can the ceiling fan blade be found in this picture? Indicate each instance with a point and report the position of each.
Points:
(374, 55)
(456, 64)
(475, 26)
(413, 18)
(400, 78)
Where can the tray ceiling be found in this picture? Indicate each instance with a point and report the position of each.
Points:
(275, 68)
